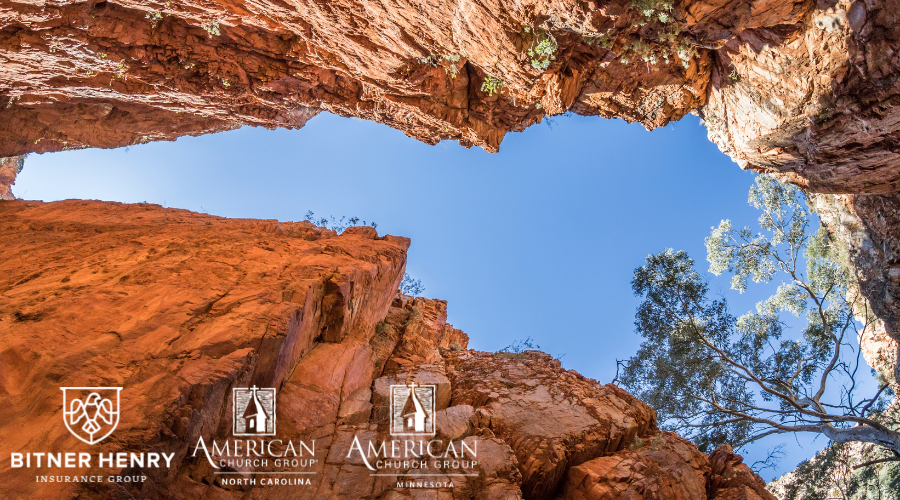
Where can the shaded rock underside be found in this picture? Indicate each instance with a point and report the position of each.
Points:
(800, 88)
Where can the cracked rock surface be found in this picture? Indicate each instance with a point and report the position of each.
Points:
(179, 308)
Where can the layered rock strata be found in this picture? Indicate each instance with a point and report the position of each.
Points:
(804, 89)
(181, 308)
(868, 228)
(113, 73)
(814, 101)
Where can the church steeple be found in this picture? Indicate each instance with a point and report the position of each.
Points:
(255, 416)
(413, 413)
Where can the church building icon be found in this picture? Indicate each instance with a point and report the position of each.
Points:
(413, 414)
(412, 410)
(254, 411)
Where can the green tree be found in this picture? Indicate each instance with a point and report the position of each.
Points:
(410, 286)
(833, 473)
(336, 225)
(715, 378)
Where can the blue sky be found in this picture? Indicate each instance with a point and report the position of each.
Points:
(539, 240)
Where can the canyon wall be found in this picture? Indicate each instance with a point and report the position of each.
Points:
(868, 229)
(800, 88)
(112, 73)
(179, 309)
(9, 169)
(806, 90)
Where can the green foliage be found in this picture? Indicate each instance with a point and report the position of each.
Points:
(336, 225)
(637, 444)
(742, 253)
(121, 68)
(384, 329)
(154, 18)
(212, 28)
(670, 34)
(605, 40)
(409, 286)
(492, 85)
(833, 473)
(520, 346)
(668, 42)
(654, 9)
(674, 363)
(716, 378)
(543, 48)
(448, 62)
(685, 52)
(415, 315)
(662, 50)
(19, 161)
(644, 51)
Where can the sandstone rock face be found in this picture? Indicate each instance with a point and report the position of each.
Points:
(9, 169)
(552, 418)
(869, 228)
(803, 89)
(665, 466)
(180, 308)
(807, 91)
(177, 308)
(118, 72)
(814, 101)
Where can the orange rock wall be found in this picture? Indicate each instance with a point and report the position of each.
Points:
(807, 91)
(799, 88)
(112, 73)
(178, 308)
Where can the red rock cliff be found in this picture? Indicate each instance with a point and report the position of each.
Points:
(179, 308)
(797, 87)
(801, 89)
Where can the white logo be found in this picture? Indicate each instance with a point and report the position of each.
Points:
(412, 410)
(91, 415)
(254, 412)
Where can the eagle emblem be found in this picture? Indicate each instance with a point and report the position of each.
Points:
(91, 413)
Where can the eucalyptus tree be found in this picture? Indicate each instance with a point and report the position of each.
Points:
(717, 378)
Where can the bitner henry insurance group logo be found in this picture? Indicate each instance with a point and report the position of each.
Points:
(412, 410)
(91, 413)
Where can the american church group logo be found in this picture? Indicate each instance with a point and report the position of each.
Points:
(254, 455)
(254, 412)
(413, 454)
(412, 410)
